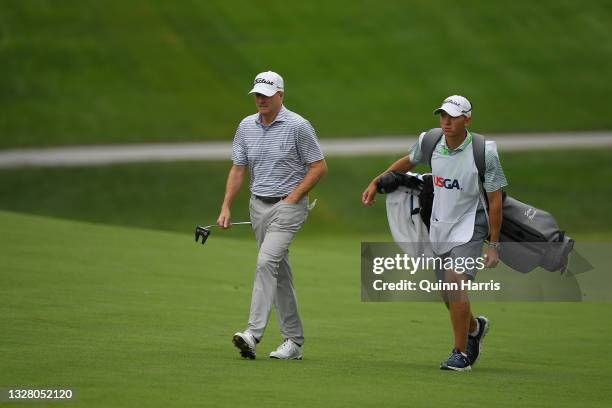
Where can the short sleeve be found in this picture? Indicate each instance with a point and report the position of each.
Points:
(415, 154)
(308, 145)
(239, 151)
(494, 174)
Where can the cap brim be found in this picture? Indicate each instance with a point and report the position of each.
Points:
(264, 90)
(450, 109)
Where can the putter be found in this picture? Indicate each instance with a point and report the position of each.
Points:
(204, 232)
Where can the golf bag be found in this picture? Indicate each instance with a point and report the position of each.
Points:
(403, 212)
(529, 236)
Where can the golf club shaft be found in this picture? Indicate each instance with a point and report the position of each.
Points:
(233, 223)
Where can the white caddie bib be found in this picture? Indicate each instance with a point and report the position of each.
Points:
(456, 195)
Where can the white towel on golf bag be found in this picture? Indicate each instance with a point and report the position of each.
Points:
(407, 229)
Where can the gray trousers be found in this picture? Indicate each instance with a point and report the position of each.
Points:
(275, 225)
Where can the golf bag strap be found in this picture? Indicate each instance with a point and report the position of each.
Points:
(429, 143)
(478, 146)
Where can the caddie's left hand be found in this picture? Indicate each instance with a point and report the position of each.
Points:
(491, 257)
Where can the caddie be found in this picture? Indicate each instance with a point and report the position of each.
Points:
(281, 152)
(463, 216)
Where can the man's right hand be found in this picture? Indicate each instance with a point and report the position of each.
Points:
(224, 218)
(367, 198)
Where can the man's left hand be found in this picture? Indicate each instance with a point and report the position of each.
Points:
(290, 200)
(491, 257)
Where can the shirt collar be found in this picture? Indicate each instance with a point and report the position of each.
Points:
(462, 146)
(281, 116)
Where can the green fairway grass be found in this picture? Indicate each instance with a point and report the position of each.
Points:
(176, 196)
(131, 317)
(83, 72)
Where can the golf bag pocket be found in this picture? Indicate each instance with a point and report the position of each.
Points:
(405, 223)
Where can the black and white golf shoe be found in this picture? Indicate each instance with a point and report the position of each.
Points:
(246, 343)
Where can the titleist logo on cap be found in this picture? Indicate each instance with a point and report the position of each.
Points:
(262, 81)
(449, 100)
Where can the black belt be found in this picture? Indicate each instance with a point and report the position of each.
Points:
(269, 200)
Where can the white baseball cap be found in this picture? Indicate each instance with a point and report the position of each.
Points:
(268, 83)
(456, 106)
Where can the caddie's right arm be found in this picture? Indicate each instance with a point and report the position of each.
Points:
(402, 165)
(232, 188)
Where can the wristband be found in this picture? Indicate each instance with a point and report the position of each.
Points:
(494, 245)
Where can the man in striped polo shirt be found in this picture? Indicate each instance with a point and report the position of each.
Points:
(280, 150)
(460, 223)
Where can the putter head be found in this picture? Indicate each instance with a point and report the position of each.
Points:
(200, 231)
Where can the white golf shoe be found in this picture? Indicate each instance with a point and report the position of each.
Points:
(288, 350)
(245, 342)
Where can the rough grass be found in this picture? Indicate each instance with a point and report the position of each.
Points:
(82, 72)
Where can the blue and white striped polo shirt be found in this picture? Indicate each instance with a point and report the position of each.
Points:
(278, 155)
